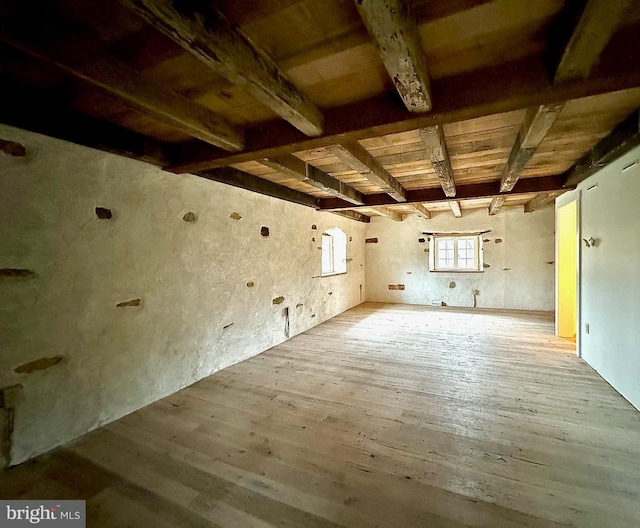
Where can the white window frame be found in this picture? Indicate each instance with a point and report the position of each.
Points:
(437, 241)
(333, 252)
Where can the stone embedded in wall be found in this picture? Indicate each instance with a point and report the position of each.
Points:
(278, 300)
(189, 217)
(299, 305)
(551, 261)
(498, 241)
(330, 293)
(264, 231)
(17, 273)
(250, 284)
(421, 240)
(126, 304)
(235, 216)
(227, 326)
(103, 213)
(38, 364)
(486, 240)
(396, 286)
(371, 241)
(12, 148)
(506, 269)
(452, 284)
(314, 226)
(485, 265)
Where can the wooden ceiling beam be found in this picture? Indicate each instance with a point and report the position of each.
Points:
(624, 138)
(455, 208)
(537, 122)
(244, 180)
(483, 92)
(359, 159)
(58, 43)
(496, 204)
(539, 201)
(471, 191)
(393, 29)
(596, 25)
(206, 33)
(396, 216)
(296, 168)
(421, 211)
(353, 215)
(434, 142)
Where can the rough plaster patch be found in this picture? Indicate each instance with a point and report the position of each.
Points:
(17, 273)
(371, 241)
(189, 217)
(278, 300)
(235, 216)
(132, 302)
(38, 364)
(103, 213)
(396, 286)
(264, 231)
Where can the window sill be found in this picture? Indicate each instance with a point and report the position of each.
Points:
(333, 274)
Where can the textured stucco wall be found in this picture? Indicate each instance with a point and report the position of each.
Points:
(527, 250)
(609, 276)
(191, 279)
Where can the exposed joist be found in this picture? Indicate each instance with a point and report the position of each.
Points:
(12, 148)
(596, 25)
(483, 92)
(206, 33)
(455, 208)
(359, 159)
(49, 117)
(76, 52)
(539, 201)
(396, 216)
(537, 122)
(623, 138)
(421, 211)
(244, 180)
(434, 142)
(296, 168)
(464, 192)
(353, 215)
(496, 204)
(391, 25)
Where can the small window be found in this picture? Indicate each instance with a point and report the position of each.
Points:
(334, 251)
(456, 253)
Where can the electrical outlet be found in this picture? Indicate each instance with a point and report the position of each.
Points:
(586, 327)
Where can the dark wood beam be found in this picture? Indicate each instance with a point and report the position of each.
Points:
(393, 28)
(464, 192)
(540, 200)
(359, 159)
(487, 91)
(596, 25)
(433, 139)
(455, 208)
(421, 211)
(296, 168)
(537, 122)
(244, 180)
(48, 116)
(353, 215)
(61, 43)
(12, 148)
(624, 138)
(206, 33)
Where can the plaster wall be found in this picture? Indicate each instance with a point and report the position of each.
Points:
(518, 253)
(609, 279)
(205, 288)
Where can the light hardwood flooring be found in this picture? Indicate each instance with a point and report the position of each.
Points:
(385, 416)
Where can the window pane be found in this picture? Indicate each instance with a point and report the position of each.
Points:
(327, 253)
(466, 253)
(446, 253)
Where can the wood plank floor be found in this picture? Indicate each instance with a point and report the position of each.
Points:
(385, 416)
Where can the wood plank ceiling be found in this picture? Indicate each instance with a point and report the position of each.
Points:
(359, 107)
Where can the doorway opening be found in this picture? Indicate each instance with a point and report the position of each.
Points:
(567, 270)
